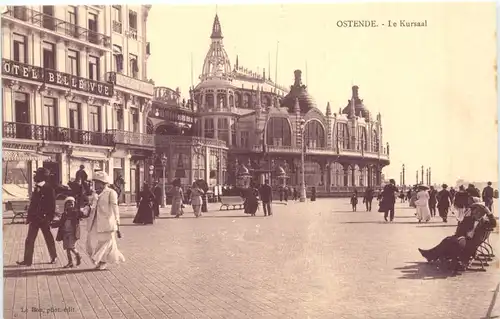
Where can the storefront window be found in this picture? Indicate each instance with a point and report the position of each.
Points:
(15, 180)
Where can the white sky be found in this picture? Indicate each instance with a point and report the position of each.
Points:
(434, 86)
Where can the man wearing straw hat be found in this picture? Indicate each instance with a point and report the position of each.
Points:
(103, 224)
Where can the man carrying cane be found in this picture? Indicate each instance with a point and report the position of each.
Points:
(40, 213)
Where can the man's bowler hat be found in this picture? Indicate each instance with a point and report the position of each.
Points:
(42, 171)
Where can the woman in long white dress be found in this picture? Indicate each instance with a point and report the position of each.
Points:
(103, 224)
(422, 204)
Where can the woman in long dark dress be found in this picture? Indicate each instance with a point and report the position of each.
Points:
(251, 200)
(145, 213)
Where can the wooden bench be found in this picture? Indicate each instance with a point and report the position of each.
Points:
(231, 201)
(19, 209)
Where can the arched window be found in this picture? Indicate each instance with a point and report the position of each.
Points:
(312, 174)
(209, 128)
(209, 99)
(363, 139)
(314, 134)
(237, 99)
(221, 100)
(231, 100)
(342, 136)
(375, 141)
(223, 130)
(337, 174)
(246, 100)
(278, 132)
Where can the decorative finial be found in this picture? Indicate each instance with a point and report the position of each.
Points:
(328, 109)
(298, 78)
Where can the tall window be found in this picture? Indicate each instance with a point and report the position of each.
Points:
(244, 136)
(120, 125)
(209, 128)
(117, 18)
(314, 134)
(343, 135)
(92, 26)
(223, 129)
(20, 48)
(49, 55)
(94, 68)
(134, 66)
(363, 140)
(375, 141)
(132, 20)
(74, 116)
(135, 120)
(94, 119)
(278, 132)
(72, 29)
(49, 113)
(48, 21)
(74, 62)
(118, 57)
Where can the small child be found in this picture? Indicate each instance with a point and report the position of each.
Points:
(354, 201)
(69, 230)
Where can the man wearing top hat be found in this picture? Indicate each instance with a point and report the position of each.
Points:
(40, 213)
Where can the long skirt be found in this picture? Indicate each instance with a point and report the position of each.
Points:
(423, 213)
(176, 208)
(197, 210)
(102, 247)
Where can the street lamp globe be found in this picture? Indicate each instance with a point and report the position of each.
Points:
(302, 123)
(157, 113)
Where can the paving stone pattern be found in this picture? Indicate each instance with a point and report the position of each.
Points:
(309, 260)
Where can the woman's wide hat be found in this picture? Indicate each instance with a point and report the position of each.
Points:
(101, 176)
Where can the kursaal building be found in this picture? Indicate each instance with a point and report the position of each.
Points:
(238, 121)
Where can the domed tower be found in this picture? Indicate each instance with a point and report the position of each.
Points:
(216, 62)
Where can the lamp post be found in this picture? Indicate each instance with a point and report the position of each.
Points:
(164, 162)
(422, 170)
(430, 176)
(302, 163)
(416, 178)
(404, 174)
(427, 176)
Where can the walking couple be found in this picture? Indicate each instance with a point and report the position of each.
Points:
(102, 224)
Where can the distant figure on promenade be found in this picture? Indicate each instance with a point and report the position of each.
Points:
(313, 194)
(444, 201)
(354, 201)
(196, 201)
(461, 203)
(251, 203)
(388, 200)
(103, 224)
(177, 199)
(368, 198)
(408, 194)
(282, 193)
(41, 212)
(158, 194)
(473, 191)
(69, 230)
(286, 193)
(145, 203)
(266, 196)
(488, 195)
(81, 174)
(402, 196)
(452, 194)
(422, 203)
(432, 201)
(119, 185)
(295, 194)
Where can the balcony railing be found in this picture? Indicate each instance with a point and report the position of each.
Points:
(322, 151)
(55, 134)
(59, 26)
(117, 26)
(163, 140)
(132, 138)
(132, 33)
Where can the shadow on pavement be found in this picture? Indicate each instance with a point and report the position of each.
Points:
(424, 271)
(438, 226)
(381, 222)
(20, 273)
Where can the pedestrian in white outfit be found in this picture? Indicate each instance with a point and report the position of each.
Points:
(422, 204)
(196, 201)
(103, 224)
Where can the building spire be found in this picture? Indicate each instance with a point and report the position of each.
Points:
(216, 29)
(328, 109)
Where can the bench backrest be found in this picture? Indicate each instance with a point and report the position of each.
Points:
(231, 199)
(16, 205)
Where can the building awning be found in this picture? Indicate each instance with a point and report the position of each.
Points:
(23, 155)
(86, 156)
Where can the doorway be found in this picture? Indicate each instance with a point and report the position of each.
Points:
(22, 115)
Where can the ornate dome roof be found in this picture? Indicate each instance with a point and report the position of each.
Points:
(298, 91)
(355, 106)
(216, 64)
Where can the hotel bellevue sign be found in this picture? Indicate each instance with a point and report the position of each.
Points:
(52, 77)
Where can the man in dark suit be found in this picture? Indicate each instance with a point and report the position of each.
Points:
(266, 196)
(40, 213)
(488, 194)
(81, 174)
(368, 198)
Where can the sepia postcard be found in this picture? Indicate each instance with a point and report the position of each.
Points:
(236, 161)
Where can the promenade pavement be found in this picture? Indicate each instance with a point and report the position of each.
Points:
(309, 260)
